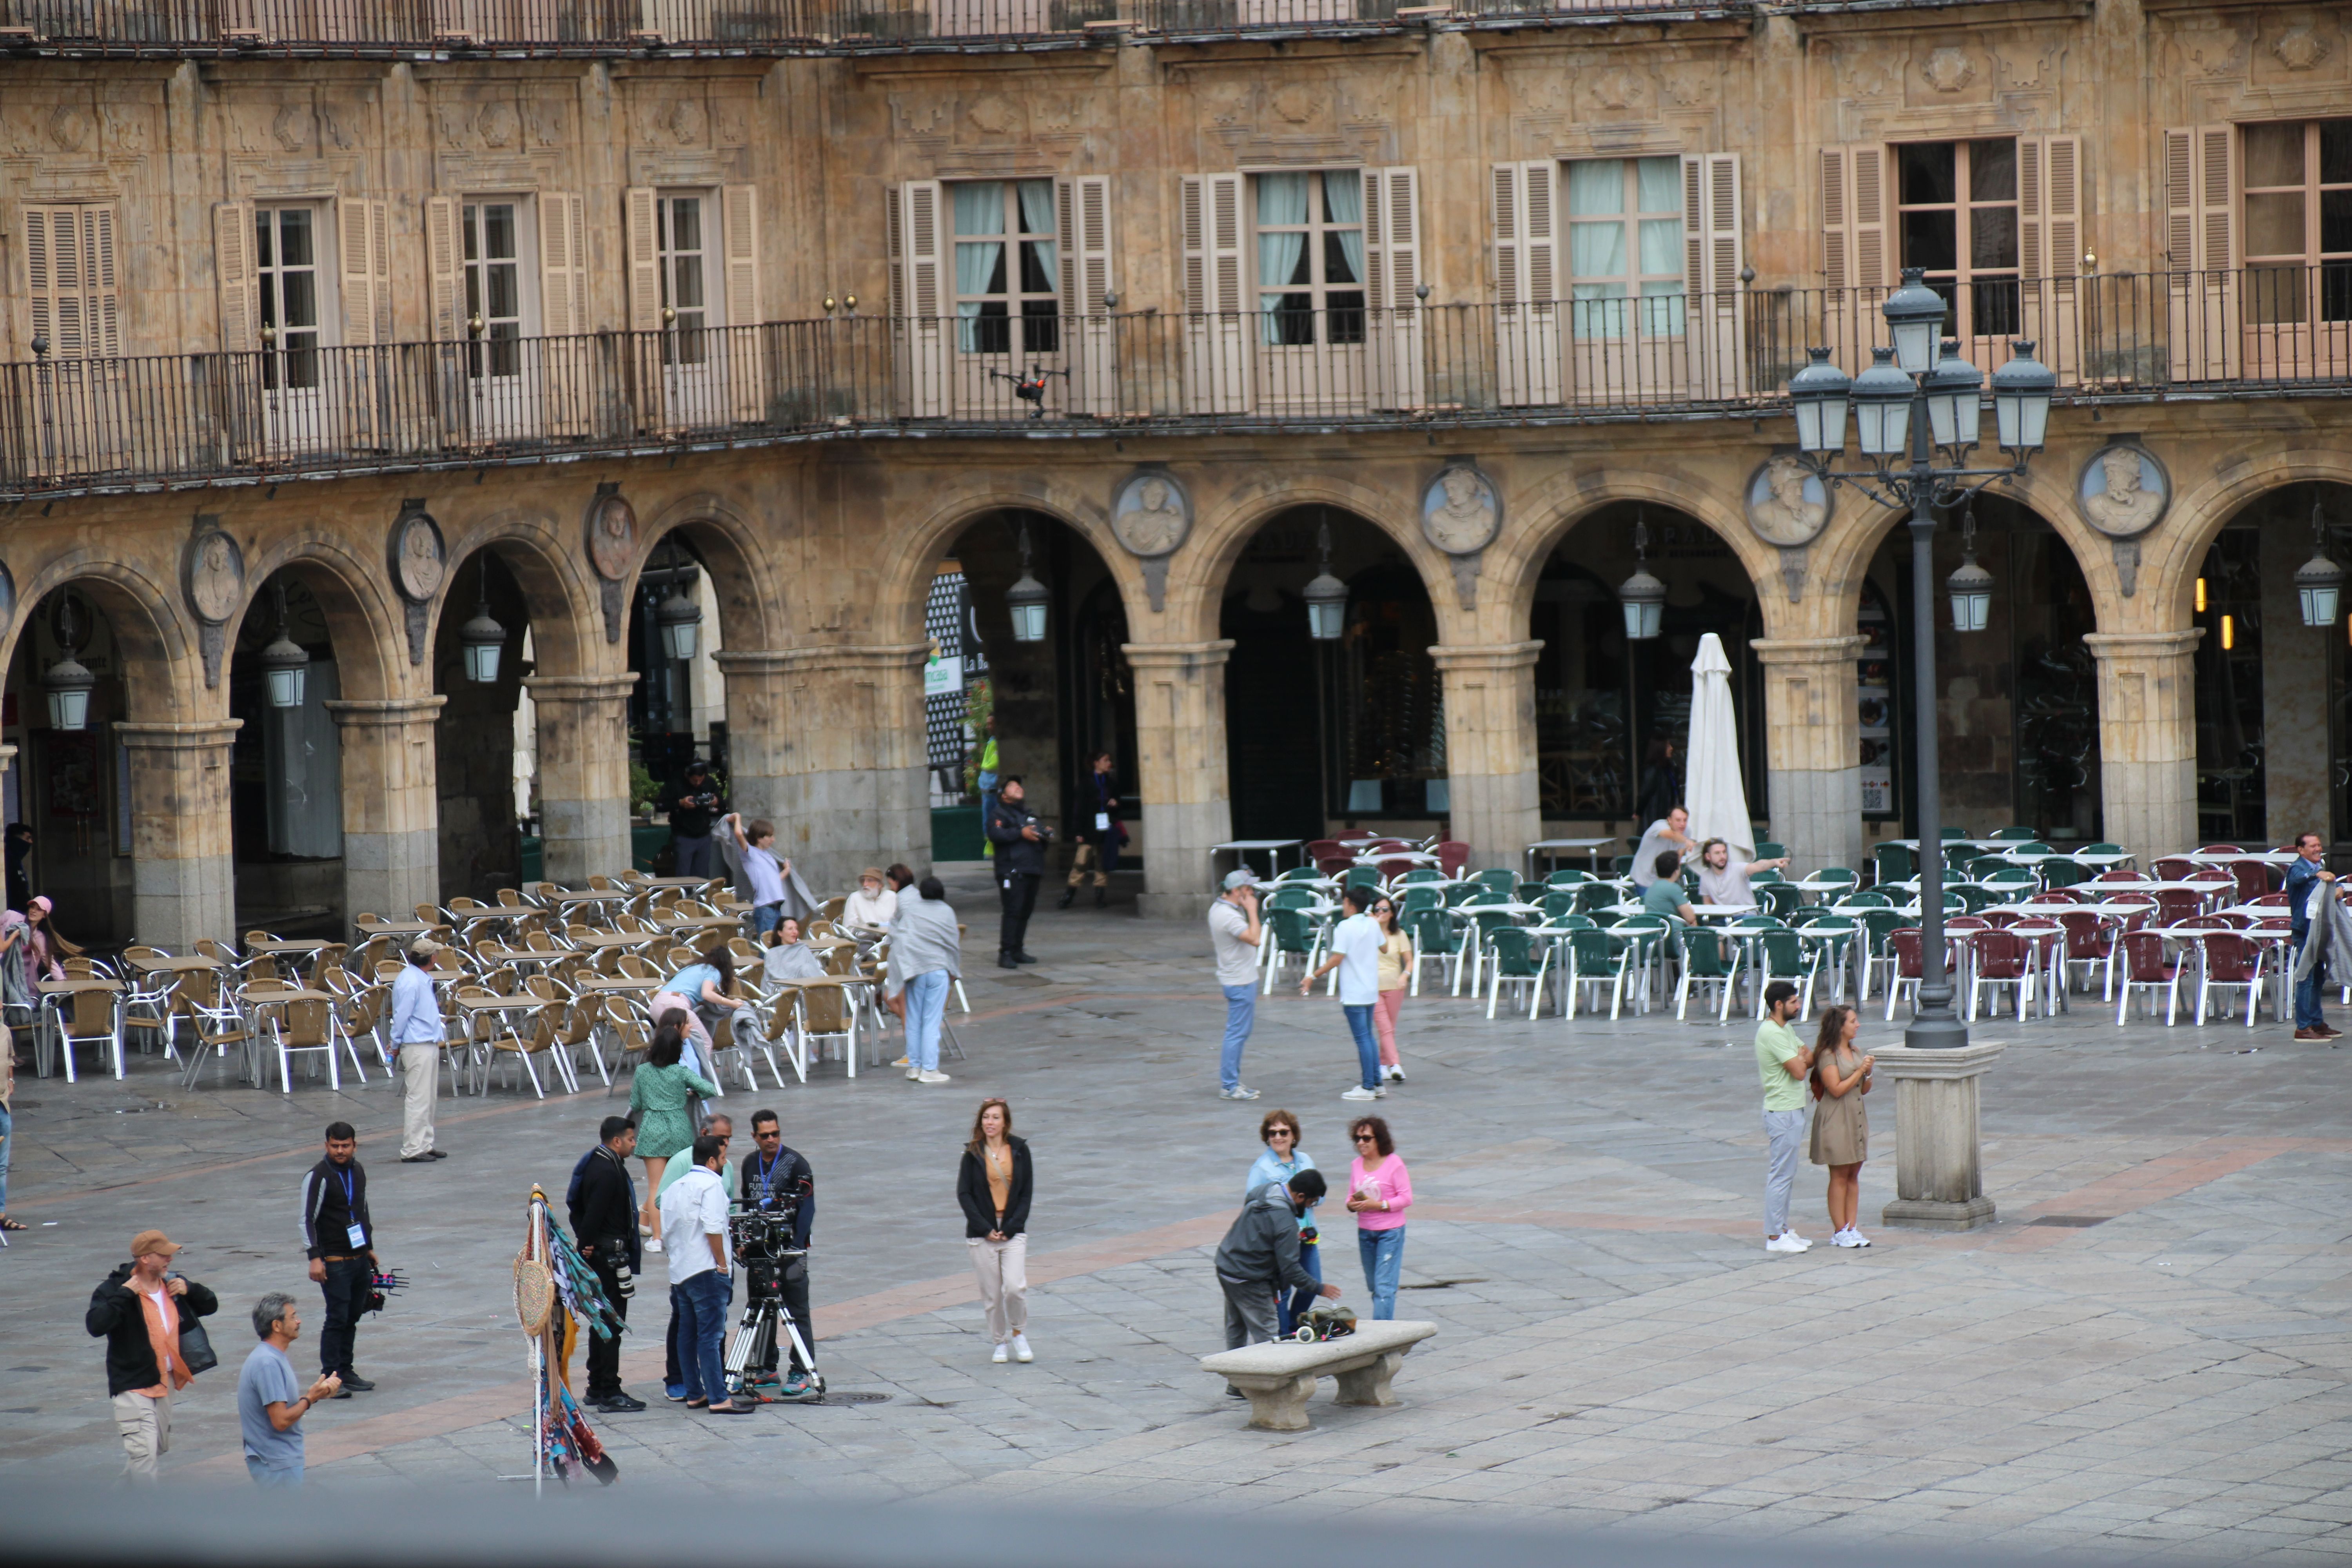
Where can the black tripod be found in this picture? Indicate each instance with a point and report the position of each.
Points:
(763, 1245)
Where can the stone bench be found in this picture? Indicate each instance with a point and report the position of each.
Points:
(1279, 1376)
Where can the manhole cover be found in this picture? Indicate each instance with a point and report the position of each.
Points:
(854, 1396)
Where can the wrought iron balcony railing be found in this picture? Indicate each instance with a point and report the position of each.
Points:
(205, 418)
(344, 28)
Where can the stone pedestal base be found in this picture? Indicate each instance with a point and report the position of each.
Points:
(1938, 1180)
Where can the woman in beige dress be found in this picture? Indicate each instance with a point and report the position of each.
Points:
(1840, 1121)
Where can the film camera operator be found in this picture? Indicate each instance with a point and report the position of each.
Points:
(1020, 839)
(777, 1179)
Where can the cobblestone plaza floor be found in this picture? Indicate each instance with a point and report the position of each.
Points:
(2148, 1353)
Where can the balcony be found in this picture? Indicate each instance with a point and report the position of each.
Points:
(518, 29)
(114, 425)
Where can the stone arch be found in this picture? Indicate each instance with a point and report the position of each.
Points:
(148, 627)
(2170, 556)
(364, 619)
(1557, 508)
(1218, 541)
(565, 602)
(906, 573)
(750, 605)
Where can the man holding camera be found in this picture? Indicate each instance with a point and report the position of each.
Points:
(1020, 839)
(604, 1205)
(694, 805)
(777, 1179)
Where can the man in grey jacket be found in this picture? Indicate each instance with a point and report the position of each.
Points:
(1259, 1258)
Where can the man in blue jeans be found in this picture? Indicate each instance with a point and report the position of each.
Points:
(2308, 870)
(1236, 931)
(1356, 955)
(694, 1240)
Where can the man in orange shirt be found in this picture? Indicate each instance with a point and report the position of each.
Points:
(139, 1311)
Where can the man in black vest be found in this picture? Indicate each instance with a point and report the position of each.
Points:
(1020, 839)
(604, 1205)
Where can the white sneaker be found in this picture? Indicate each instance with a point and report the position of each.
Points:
(1360, 1093)
(926, 1076)
(1239, 1091)
(653, 1244)
(1793, 1235)
(914, 1074)
(1855, 1239)
(1785, 1242)
(1396, 1074)
(1001, 1354)
(1021, 1351)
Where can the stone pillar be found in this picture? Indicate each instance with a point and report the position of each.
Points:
(1490, 749)
(827, 743)
(1939, 1172)
(183, 875)
(1179, 744)
(583, 774)
(392, 850)
(2147, 739)
(1812, 748)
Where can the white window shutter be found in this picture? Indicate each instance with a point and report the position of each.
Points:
(1854, 254)
(1083, 205)
(564, 363)
(1218, 356)
(1714, 253)
(2049, 248)
(641, 220)
(104, 281)
(355, 244)
(746, 359)
(444, 263)
(240, 300)
(919, 329)
(1526, 312)
(2200, 197)
(1397, 326)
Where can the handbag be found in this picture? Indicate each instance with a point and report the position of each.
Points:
(196, 1345)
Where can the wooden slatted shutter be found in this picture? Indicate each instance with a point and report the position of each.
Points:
(1714, 252)
(233, 270)
(1854, 256)
(75, 298)
(2049, 249)
(1218, 330)
(1088, 344)
(1397, 328)
(566, 364)
(365, 266)
(1526, 314)
(746, 359)
(920, 327)
(2201, 196)
(641, 218)
(443, 264)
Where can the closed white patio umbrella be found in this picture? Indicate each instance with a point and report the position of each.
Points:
(1712, 787)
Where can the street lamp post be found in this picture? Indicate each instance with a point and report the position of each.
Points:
(1911, 403)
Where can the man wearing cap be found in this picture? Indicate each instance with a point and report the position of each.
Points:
(694, 805)
(1235, 930)
(416, 1034)
(139, 1312)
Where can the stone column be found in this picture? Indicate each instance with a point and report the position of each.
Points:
(1938, 1173)
(392, 850)
(1490, 749)
(1179, 744)
(2147, 739)
(827, 743)
(583, 774)
(1812, 748)
(183, 875)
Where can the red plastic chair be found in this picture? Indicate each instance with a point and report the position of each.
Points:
(1902, 942)
(1452, 856)
(2231, 962)
(2221, 849)
(2140, 955)
(2123, 877)
(2002, 958)
(2174, 905)
(2091, 939)
(2173, 868)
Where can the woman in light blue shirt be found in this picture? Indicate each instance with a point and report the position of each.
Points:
(1280, 1160)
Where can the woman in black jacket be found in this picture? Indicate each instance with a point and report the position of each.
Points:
(993, 1187)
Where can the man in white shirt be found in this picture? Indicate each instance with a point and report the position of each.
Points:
(1671, 832)
(1356, 955)
(416, 1036)
(1234, 932)
(694, 1240)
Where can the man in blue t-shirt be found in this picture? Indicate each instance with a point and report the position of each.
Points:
(270, 1401)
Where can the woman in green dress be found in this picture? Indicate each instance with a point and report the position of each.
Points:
(658, 1095)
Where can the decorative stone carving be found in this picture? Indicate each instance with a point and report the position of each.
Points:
(2123, 490)
(992, 115)
(498, 124)
(1619, 90)
(1787, 504)
(126, 128)
(1543, 94)
(683, 120)
(1295, 102)
(1949, 70)
(292, 130)
(69, 127)
(921, 116)
(211, 574)
(1460, 512)
(612, 546)
(1057, 113)
(420, 565)
(1152, 515)
(2299, 48)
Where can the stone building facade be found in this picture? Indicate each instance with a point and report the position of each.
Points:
(366, 328)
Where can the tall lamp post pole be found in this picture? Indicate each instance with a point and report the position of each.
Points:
(1911, 403)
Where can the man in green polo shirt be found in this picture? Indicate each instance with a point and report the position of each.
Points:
(1666, 896)
(1782, 1062)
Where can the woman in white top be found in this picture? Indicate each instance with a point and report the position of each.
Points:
(1721, 883)
(873, 906)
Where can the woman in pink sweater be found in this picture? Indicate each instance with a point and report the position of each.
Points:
(1379, 1192)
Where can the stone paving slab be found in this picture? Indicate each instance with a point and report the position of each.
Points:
(1615, 1351)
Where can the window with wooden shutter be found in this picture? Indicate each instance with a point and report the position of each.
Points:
(365, 264)
(920, 329)
(1526, 316)
(74, 304)
(1714, 254)
(233, 274)
(1397, 331)
(1854, 250)
(2294, 243)
(2049, 249)
(1217, 326)
(1083, 202)
(746, 363)
(566, 364)
(442, 279)
(2200, 189)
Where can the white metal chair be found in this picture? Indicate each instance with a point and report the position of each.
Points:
(84, 1018)
(303, 1025)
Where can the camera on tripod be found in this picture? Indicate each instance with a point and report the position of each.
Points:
(765, 1243)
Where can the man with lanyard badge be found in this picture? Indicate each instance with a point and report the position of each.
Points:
(771, 1175)
(341, 1239)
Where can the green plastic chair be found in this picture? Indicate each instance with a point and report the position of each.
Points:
(1953, 831)
(1620, 865)
(1767, 850)
(2063, 874)
(1515, 956)
(1781, 899)
(1435, 940)
(1501, 878)
(1706, 964)
(1650, 936)
(1595, 958)
(1766, 877)
(1461, 893)
(1292, 898)
(1362, 877)
(1301, 874)
(1972, 896)
(1294, 932)
(1895, 863)
(1567, 879)
(1417, 898)
(1558, 905)
(1877, 925)
(1421, 874)
(1785, 955)
(1866, 900)
(1483, 924)
(2013, 835)
(1835, 934)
